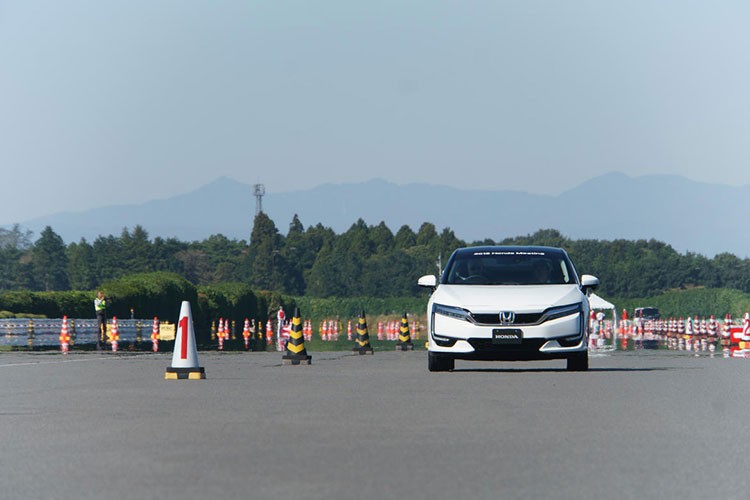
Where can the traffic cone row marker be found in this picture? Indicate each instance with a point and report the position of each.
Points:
(404, 337)
(64, 336)
(363, 338)
(296, 354)
(185, 355)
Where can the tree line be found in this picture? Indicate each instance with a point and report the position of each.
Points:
(364, 261)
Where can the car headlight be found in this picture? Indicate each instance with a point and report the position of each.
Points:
(560, 312)
(563, 311)
(451, 312)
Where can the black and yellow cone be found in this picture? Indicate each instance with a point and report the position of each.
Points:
(296, 354)
(363, 338)
(404, 337)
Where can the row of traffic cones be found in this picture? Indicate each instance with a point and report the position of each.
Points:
(114, 335)
(185, 356)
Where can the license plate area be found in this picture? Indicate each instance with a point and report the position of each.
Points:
(507, 336)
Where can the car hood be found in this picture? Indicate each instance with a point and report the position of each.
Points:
(493, 298)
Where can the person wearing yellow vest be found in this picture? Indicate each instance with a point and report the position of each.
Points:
(100, 306)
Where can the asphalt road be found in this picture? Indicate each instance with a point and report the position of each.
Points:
(639, 424)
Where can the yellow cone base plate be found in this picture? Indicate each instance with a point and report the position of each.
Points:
(185, 373)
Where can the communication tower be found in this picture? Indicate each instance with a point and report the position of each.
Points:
(260, 190)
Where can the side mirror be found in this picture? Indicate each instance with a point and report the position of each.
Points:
(589, 283)
(428, 281)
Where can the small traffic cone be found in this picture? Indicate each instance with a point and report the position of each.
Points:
(185, 356)
(349, 330)
(155, 335)
(246, 334)
(269, 333)
(114, 335)
(64, 336)
(296, 354)
(220, 334)
(363, 338)
(308, 330)
(404, 337)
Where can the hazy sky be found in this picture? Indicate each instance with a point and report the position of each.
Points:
(110, 102)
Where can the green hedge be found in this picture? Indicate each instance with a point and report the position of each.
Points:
(693, 302)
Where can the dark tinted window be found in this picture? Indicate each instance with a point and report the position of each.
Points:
(509, 267)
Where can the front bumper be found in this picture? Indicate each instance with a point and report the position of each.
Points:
(551, 339)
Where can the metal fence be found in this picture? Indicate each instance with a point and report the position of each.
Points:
(19, 332)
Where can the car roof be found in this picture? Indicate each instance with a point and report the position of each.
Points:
(509, 248)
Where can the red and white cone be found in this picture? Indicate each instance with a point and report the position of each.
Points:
(115, 335)
(349, 330)
(246, 333)
(155, 335)
(220, 334)
(269, 332)
(64, 336)
(185, 356)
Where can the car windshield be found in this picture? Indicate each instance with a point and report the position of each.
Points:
(511, 267)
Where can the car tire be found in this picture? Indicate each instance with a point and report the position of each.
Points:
(578, 362)
(439, 362)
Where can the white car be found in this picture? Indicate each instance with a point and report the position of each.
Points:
(508, 303)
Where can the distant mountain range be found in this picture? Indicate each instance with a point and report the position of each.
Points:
(691, 216)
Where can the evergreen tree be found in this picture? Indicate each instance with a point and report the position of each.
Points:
(405, 238)
(265, 265)
(80, 270)
(49, 262)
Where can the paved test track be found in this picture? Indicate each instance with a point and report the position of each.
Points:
(648, 424)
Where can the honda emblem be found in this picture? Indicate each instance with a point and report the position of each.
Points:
(507, 317)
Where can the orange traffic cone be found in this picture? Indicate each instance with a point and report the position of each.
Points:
(185, 356)
(114, 337)
(246, 334)
(64, 336)
(155, 335)
(220, 334)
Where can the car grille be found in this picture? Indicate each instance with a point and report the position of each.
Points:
(486, 345)
(494, 318)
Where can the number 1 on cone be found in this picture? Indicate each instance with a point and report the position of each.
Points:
(184, 339)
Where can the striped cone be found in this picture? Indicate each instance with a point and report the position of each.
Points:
(404, 337)
(220, 334)
(114, 334)
(363, 338)
(246, 333)
(296, 354)
(64, 336)
(155, 335)
(185, 356)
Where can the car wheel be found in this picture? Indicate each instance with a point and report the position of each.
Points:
(439, 362)
(578, 362)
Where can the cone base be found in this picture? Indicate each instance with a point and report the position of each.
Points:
(185, 373)
(405, 347)
(363, 350)
(292, 359)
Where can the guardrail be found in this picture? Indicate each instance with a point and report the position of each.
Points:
(19, 332)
